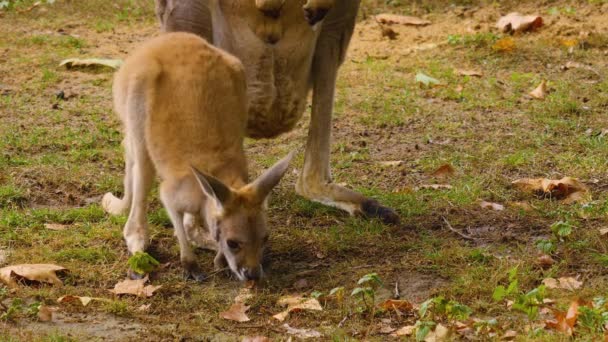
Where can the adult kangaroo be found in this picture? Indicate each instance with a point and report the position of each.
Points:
(288, 47)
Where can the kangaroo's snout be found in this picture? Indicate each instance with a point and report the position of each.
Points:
(253, 273)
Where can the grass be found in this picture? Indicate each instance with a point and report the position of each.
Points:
(57, 157)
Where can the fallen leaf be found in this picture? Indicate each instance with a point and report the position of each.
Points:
(401, 20)
(83, 300)
(144, 308)
(576, 65)
(91, 62)
(545, 261)
(475, 73)
(540, 92)
(243, 296)
(236, 313)
(517, 23)
(301, 333)
(445, 170)
(55, 226)
(566, 283)
(565, 321)
(506, 44)
(426, 80)
(391, 163)
(434, 187)
(135, 287)
(394, 304)
(405, 331)
(45, 313)
(296, 303)
(603, 231)
(441, 333)
(509, 335)
(493, 206)
(43, 273)
(567, 189)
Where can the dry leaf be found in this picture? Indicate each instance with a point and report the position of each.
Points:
(301, 333)
(243, 296)
(236, 313)
(603, 231)
(545, 261)
(88, 62)
(493, 206)
(144, 308)
(434, 187)
(55, 226)
(405, 331)
(540, 92)
(441, 333)
(296, 303)
(565, 321)
(399, 305)
(566, 283)
(135, 287)
(509, 335)
(391, 163)
(475, 73)
(401, 19)
(445, 170)
(506, 44)
(43, 273)
(567, 189)
(45, 313)
(83, 300)
(517, 23)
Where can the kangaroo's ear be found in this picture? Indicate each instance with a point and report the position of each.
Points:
(212, 187)
(270, 178)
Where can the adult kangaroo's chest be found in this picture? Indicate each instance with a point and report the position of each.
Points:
(277, 56)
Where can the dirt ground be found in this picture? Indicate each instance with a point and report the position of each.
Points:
(60, 151)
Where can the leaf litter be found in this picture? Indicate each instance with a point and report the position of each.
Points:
(236, 312)
(296, 303)
(135, 287)
(517, 23)
(566, 283)
(42, 273)
(569, 190)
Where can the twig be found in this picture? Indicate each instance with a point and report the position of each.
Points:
(29, 9)
(342, 321)
(396, 294)
(361, 266)
(464, 236)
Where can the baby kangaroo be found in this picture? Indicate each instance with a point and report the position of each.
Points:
(183, 105)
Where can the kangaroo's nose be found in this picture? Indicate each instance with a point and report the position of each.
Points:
(313, 15)
(253, 273)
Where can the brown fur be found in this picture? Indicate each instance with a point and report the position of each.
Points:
(183, 104)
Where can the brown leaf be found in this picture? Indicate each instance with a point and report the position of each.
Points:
(45, 313)
(144, 308)
(565, 321)
(545, 261)
(405, 331)
(55, 226)
(401, 19)
(506, 44)
(43, 273)
(445, 170)
(135, 287)
(301, 333)
(83, 300)
(567, 189)
(399, 305)
(236, 313)
(540, 92)
(566, 283)
(243, 296)
(603, 231)
(517, 23)
(475, 73)
(296, 303)
(493, 206)
(441, 333)
(509, 335)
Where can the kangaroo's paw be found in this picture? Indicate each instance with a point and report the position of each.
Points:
(193, 272)
(114, 205)
(351, 201)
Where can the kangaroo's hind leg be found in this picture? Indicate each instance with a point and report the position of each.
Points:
(114, 205)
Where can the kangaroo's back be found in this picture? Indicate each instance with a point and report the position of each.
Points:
(189, 101)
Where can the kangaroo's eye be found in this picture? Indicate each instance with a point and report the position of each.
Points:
(233, 244)
(266, 239)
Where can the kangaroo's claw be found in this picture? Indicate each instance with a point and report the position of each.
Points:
(373, 208)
